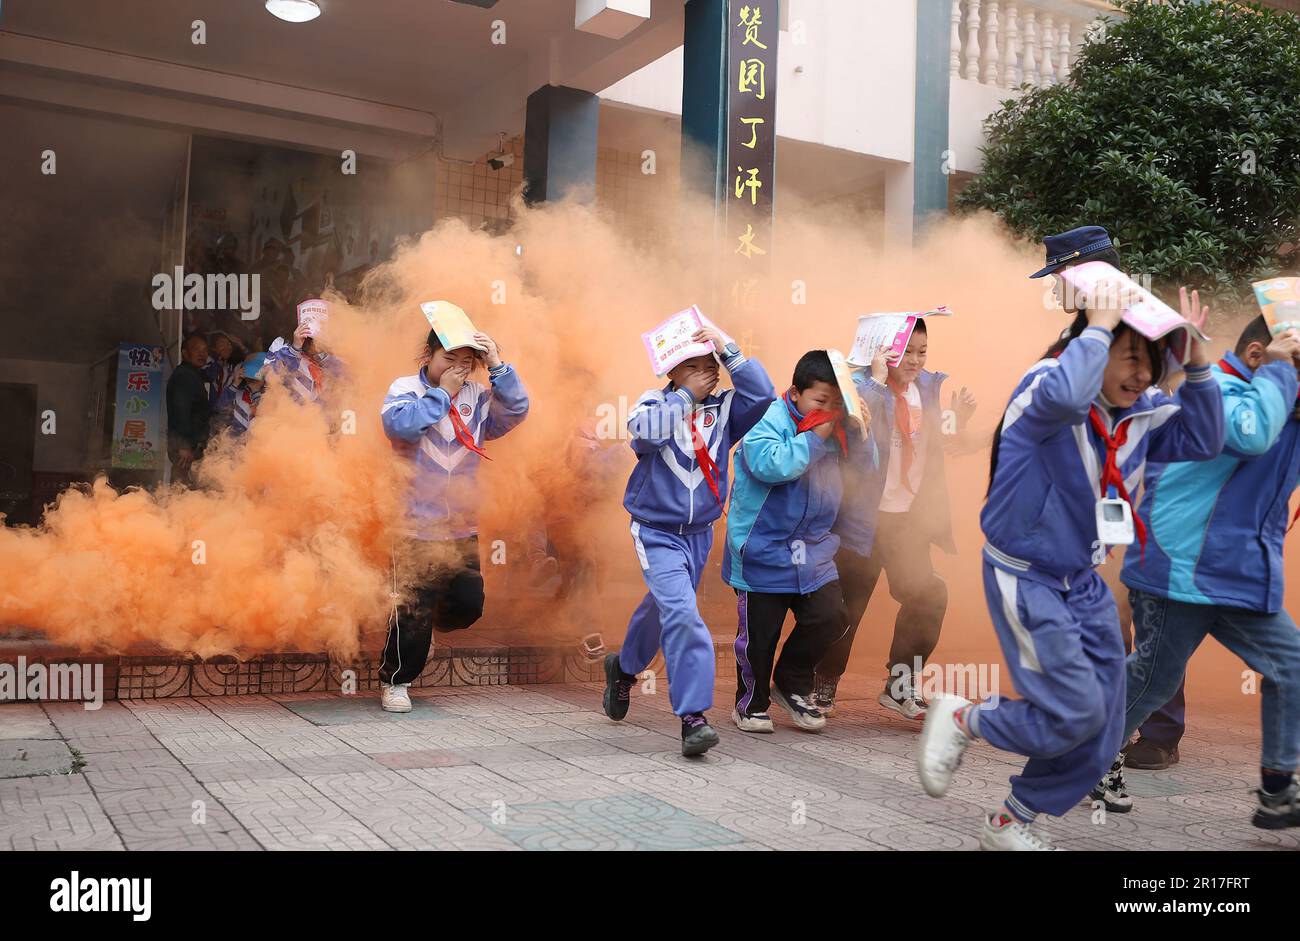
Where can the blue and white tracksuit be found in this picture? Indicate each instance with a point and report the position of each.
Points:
(780, 555)
(1055, 618)
(443, 498)
(240, 405)
(1214, 562)
(294, 368)
(673, 511)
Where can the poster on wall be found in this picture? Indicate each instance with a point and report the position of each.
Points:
(138, 411)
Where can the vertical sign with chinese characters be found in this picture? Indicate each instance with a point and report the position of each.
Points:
(138, 413)
(752, 38)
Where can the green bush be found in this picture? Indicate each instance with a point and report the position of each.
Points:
(1178, 130)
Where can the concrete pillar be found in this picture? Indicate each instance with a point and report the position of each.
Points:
(560, 133)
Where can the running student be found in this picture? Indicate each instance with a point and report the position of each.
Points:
(438, 419)
(780, 551)
(895, 508)
(682, 435)
(1214, 563)
(1081, 424)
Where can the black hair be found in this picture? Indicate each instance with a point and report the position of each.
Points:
(432, 345)
(813, 366)
(920, 326)
(1256, 331)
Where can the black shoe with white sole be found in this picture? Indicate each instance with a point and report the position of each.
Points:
(1112, 791)
(1281, 810)
(697, 735)
(801, 710)
(618, 688)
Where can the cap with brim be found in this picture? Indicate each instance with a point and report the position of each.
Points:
(1073, 246)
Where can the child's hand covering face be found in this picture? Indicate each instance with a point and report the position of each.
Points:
(698, 376)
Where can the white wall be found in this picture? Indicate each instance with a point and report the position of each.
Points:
(846, 77)
(64, 389)
(969, 104)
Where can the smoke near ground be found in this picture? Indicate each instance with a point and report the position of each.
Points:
(299, 524)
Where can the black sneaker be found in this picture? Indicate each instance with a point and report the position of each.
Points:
(618, 688)
(1112, 791)
(1281, 810)
(697, 735)
(1146, 755)
(823, 695)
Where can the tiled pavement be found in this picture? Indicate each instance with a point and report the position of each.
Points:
(540, 767)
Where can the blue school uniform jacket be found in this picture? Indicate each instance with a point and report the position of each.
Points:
(786, 497)
(443, 499)
(867, 467)
(239, 406)
(1040, 516)
(294, 368)
(667, 489)
(1217, 526)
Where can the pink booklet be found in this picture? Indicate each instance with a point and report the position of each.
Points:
(891, 330)
(1149, 316)
(313, 314)
(670, 343)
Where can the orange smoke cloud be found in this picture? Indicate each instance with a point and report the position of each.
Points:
(298, 522)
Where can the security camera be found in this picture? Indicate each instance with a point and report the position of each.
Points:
(501, 161)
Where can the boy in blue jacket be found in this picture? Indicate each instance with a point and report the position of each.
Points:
(682, 435)
(895, 508)
(438, 419)
(780, 551)
(1214, 564)
(1080, 425)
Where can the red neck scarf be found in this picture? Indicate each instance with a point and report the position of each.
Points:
(1231, 371)
(1110, 474)
(461, 429)
(817, 417)
(903, 425)
(708, 466)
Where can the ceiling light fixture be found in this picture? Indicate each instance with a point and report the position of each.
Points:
(293, 11)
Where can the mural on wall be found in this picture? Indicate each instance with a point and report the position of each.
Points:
(292, 219)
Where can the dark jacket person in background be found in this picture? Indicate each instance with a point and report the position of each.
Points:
(188, 410)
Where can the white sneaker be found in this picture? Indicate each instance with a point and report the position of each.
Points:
(804, 713)
(1014, 836)
(909, 707)
(942, 744)
(395, 698)
(758, 722)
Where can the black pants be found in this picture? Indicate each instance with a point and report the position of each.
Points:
(818, 621)
(451, 600)
(902, 550)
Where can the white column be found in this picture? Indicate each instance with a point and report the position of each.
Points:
(1030, 62)
(990, 72)
(899, 201)
(1011, 61)
(1046, 69)
(972, 40)
(954, 41)
(1063, 47)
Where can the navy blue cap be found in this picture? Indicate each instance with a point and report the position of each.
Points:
(1073, 245)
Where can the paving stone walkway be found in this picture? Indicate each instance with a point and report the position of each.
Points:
(540, 767)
